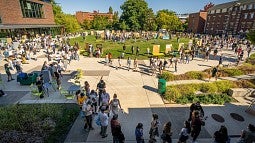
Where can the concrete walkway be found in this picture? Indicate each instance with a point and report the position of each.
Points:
(138, 95)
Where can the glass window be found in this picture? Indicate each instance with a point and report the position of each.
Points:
(244, 7)
(252, 15)
(250, 6)
(218, 10)
(224, 10)
(0, 19)
(245, 15)
(31, 9)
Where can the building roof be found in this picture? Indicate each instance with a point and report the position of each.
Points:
(5, 26)
(229, 4)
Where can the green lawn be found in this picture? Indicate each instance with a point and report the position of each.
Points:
(116, 48)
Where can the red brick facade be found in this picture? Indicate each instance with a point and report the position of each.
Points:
(81, 16)
(231, 18)
(11, 14)
(197, 22)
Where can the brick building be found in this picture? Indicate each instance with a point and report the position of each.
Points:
(236, 17)
(197, 22)
(81, 16)
(26, 17)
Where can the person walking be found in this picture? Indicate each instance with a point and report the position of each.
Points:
(248, 136)
(196, 124)
(118, 136)
(8, 72)
(114, 105)
(135, 64)
(100, 87)
(104, 119)
(167, 133)
(185, 131)
(221, 136)
(154, 127)
(139, 133)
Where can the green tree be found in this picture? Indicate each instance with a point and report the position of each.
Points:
(150, 21)
(168, 20)
(110, 10)
(133, 12)
(251, 36)
(115, 21)
(68, 21)
(123, 26)
(100, 22)
(86, 24)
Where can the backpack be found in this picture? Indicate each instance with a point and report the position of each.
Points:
(98, 121)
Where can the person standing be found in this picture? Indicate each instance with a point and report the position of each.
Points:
(124, 48)
(132, 49)
(87, 109)
(8, 72)
(139, 133)
(104, 119)
(135, 64)
(137, 51)
(175, 65)
(119, 63)
(118, 136)
(100, 87)
(128, 63)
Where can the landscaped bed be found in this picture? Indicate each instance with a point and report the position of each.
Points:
(37, 122)
(206, 93)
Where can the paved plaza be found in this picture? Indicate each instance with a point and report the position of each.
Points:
(138, 95)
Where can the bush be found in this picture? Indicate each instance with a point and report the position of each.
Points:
(205, 99)
(167, 76)
(172, 93)
(208, 88)
(230, 72)
(247, 68)
(42, 122)
(196, 75)
(224, 86)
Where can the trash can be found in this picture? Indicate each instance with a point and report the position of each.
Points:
(161, 86)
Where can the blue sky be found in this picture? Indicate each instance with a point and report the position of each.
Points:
(179, 6)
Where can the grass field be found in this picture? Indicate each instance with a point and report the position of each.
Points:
(116, 47)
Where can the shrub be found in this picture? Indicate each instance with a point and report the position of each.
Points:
(245, 84)
(230, 72)
(247, 68)
(167, 76)
(208, 88)
(224, 86)
(196, 75)
(186, 89)
(205, 99)
(172, 93)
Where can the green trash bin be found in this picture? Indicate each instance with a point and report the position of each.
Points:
(161, 86)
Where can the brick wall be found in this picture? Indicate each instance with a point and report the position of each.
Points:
(197, 22)
(81, 16)
(10, 12)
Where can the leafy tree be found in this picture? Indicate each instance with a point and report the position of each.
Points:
(110, 10)
(150, 21)
(100, 22)
(115, 21)
(251, 36)
(69, 22)
(123, 26)
(86, 24)
(133, 14)
(168, 20)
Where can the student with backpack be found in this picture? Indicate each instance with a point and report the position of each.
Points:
(185, 131)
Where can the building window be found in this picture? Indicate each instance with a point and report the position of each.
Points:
(213, 11)
(250, 6)
(31, 9)
(245, 15)
(224, 10)
(244, 7)
(0, 19)
(252, 15)
(218, 10)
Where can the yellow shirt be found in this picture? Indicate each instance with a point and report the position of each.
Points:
(81, 99)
